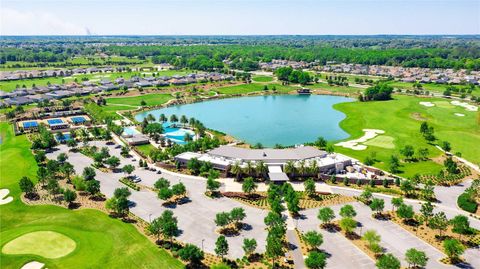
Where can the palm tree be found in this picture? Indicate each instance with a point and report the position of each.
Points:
(236, 169)
(261, 168)
(183, 120)
(163, 118)
(314, 168)
(290, 168)
(302, 169)
(250, 168)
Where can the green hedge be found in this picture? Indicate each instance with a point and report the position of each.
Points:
(465, 203)
(129, 184)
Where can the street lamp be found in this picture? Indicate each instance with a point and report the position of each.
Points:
(150, 218)
(202, 243)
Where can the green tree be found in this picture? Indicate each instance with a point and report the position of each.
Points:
(165, 193)
(372, 237)
(393, 164)
(439, 222)
(313, 239)
(348, 225)
(191, 254)
(408, 152)
(113, 162)
(69, 196)
(161, 183)
(222, 219)
(316, 260)
(249, 186)
(212, 185)
(249, 246)
(347, 211)
(93, 187)
(128, 169)
(460, 225)
(396, 202)
(326, 215)
(405, 212)
(453, 248)
(221, 246)
(88, 173)
(388, 261)
(427, 211)
(237, 214)
(179, 189)
(309, 186)
(27, 186)
(377, 205)
(416, 258)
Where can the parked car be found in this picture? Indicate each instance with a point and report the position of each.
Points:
(159, 172)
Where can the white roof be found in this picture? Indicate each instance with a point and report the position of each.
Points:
(299, 153)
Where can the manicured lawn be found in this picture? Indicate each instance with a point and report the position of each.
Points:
(145, 149)
(262, 79)
(333, 88)
(395, 118)
(47, 244)
(101, 241)
(253, 87)
(151, 99)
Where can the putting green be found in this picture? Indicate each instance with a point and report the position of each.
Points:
(47, 244)
(443, 104)
(382, 141)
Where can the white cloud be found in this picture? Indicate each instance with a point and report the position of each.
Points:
(15, 22)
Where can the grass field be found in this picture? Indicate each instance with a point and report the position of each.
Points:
(262, 79)
(395, 118)
(333, 88)
(151, 99)
(101, 241)
(145, 149)
(253, 87)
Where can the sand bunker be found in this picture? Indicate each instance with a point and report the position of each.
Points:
(427, 104)
(3, 197)
(33, 265)
(354, 144)
(460, 114)
(48, 244)
(467, 106)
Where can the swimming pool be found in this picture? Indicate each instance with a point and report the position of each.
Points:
(176, 134)
(130, 131)
(66, 137)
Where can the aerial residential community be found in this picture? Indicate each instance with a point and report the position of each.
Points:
(127, 141)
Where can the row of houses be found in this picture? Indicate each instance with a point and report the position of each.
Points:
(406, 74)
(58, 72)
(275, 64)
(23, 96)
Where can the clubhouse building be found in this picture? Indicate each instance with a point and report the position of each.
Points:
(223, 157)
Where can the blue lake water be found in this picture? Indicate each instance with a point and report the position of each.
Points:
(282, 119)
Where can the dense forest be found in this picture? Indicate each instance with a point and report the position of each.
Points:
(209, 53)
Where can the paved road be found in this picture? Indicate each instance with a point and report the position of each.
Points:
(450, 212)
(342, 253)
(195, 219)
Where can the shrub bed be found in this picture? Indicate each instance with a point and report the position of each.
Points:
(129, 184)
(466, 203)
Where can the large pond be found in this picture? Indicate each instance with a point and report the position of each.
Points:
(282, 119)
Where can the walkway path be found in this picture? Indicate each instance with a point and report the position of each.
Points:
(294, 242)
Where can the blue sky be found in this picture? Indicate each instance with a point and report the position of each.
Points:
(239, 17)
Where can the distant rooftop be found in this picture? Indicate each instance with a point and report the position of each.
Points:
(293, 154)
